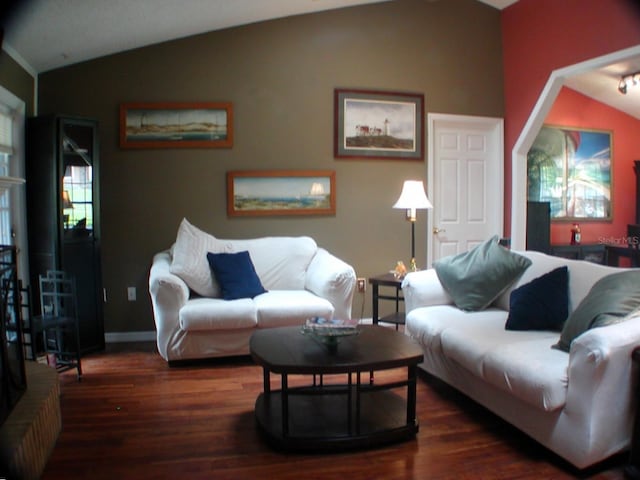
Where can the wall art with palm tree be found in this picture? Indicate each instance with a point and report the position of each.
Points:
(571, 169)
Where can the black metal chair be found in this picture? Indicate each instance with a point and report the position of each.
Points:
(59, 321)
(29, 331)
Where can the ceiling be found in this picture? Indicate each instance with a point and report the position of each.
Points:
(47, 34)
(602, 85)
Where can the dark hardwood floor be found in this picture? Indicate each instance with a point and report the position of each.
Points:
(134, 417)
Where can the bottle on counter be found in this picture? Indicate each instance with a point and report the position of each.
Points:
(576, 236)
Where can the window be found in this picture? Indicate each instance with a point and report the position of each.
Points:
(77, 197)
(13, 216)
(6, 150)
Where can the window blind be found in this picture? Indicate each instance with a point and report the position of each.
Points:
(6, 133)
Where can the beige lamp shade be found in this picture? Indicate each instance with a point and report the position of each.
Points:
(413, 197)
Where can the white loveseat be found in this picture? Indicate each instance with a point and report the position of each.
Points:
(194, 322)
(579, 404)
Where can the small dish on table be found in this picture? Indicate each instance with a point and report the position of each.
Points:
(329, 332)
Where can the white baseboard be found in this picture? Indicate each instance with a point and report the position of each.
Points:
(119, 337)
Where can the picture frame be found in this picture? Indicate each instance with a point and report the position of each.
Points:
(571, 168)
(176, 125)
(373, 124)
(281, 192)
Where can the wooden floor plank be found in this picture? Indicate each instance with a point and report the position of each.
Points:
(134, 417)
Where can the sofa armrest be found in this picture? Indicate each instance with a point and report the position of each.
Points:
(331, 278)
(602, 381)
(422, 289)
(169, 293)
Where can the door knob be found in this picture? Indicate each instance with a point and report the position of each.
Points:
(437, 230)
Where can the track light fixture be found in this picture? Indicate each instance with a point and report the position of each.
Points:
(627, 81)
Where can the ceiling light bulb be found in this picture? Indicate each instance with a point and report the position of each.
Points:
(622, 86)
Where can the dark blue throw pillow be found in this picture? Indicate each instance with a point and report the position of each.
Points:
(236, 275)
(542, 304)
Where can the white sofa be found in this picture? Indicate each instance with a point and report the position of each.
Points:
(579, 404)
(301, 279)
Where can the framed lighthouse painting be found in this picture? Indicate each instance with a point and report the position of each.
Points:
(373, 124)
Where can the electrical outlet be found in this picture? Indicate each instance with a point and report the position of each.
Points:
(361, 284)
(131, 294)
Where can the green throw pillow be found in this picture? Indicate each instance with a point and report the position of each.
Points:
(609, 301)
(476, 278)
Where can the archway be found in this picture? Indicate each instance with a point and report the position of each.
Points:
(532, 126)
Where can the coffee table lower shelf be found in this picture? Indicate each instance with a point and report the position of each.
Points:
(320, 421)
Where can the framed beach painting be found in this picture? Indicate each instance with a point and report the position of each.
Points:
(176, 125)
(571, 169)
(377, 124)
(281, 192)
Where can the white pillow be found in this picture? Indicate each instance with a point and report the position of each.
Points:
(190, 259)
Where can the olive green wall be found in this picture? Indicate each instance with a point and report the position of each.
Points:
(17, 80)
(280, 76)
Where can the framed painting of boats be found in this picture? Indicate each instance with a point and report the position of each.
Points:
(176, 125)
(281, 192)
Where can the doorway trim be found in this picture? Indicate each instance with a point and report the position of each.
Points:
(531, 129)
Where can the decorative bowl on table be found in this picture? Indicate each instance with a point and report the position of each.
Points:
(329, 332)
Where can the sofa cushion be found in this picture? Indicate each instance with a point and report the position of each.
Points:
(520, 362)
(291, 307)
(529, 370)
(542, 304)
(205, 314)
(280, 262)
(476, 278)
(468, 341)
(609, 301)
(426, 324)
(190, 258)
(582, 276)
(236, 275)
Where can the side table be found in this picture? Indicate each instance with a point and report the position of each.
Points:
(387, 280)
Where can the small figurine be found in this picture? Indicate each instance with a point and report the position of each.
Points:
(414, 266)
(400, 270)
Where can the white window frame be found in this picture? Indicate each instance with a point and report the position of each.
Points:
(18, 197)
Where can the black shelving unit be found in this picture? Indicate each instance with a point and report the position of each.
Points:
(63, 213)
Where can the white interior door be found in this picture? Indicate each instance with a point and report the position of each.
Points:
(466, 182)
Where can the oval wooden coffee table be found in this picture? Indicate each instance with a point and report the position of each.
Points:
(355, 414)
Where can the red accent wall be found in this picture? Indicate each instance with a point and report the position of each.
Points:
(573, 109)
(540, 36)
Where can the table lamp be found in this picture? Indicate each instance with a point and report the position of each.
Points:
(412, 198)
(66, 205)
